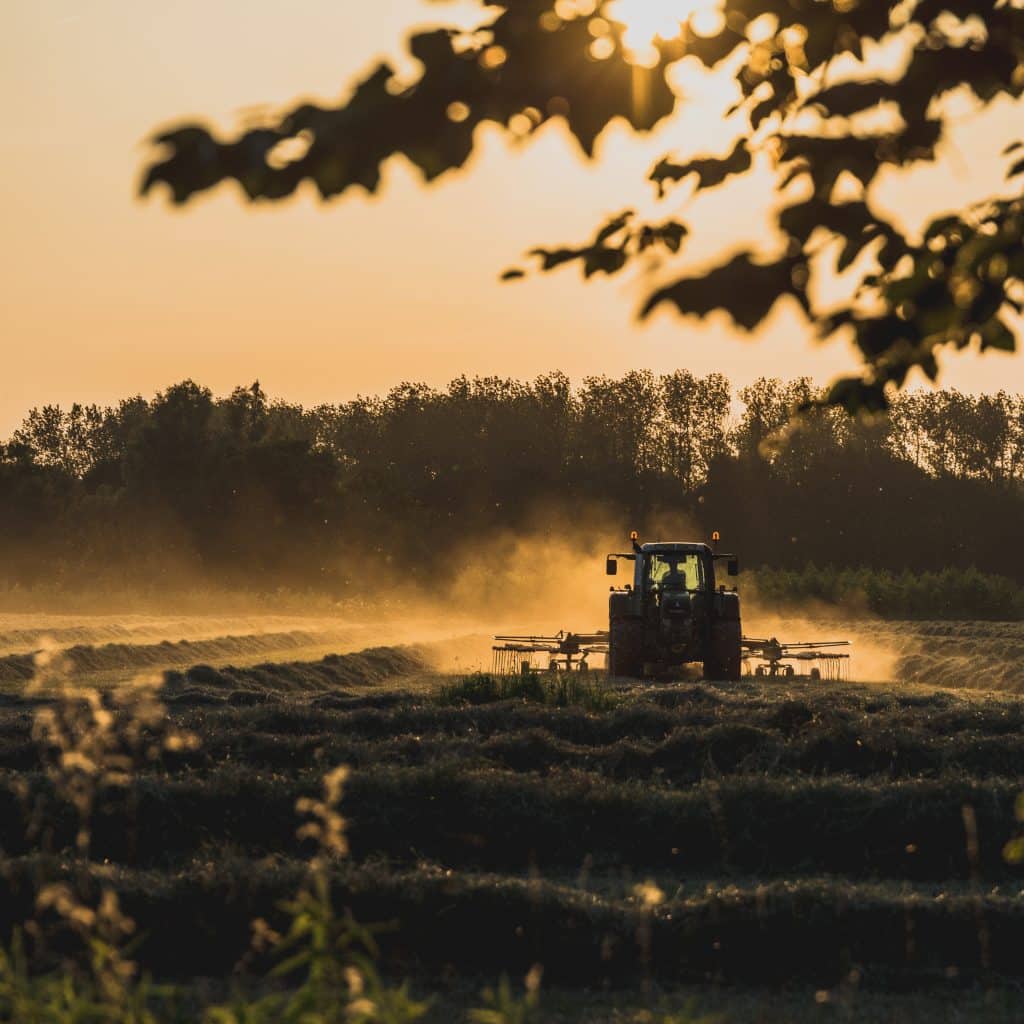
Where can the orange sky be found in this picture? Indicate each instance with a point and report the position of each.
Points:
(104, 296)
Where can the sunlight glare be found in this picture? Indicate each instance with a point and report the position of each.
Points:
(649, 20)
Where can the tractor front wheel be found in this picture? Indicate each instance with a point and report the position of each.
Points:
(626, 648)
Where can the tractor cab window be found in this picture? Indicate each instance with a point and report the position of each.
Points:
(670, 571)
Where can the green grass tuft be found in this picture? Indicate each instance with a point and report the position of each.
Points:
(553, 689)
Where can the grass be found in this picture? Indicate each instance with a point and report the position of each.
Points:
(584, 931)
(652, 842)
(499, 820)
(555, 689)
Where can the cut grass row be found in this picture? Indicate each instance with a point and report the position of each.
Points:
(495, 820)
(649, 713)
(688, 754)
(812, 930)
(706, 732)
(81, 658)
(334, 671)
(643, 712)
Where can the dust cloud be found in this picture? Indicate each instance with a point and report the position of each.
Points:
(536, 581)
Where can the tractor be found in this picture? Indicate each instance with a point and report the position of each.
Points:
(674, 612)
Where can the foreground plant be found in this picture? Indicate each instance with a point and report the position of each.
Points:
(101, 987)
(1013, 851)
(91, 743)
(331, 954)
(503, 1007)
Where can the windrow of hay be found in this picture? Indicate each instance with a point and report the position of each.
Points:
(28, 631)
(737, 930)
(500, 820)
(205, 684)
(85, 658)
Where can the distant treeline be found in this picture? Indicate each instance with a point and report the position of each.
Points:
(244, 491)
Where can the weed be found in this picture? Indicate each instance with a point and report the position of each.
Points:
(105, 990)
(1013, 851)
(92, 742)
(503, 1007)
(554, 689)
(331, 954)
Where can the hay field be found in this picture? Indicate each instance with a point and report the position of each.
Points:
(771, 850)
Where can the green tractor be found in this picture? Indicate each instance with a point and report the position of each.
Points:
(674, 612)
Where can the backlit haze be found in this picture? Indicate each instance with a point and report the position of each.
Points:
(105, 296)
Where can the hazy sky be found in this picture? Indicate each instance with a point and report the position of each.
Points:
(104, 296)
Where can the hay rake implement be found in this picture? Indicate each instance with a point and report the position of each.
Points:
(774, 659)
(569, 652)
(565, 652)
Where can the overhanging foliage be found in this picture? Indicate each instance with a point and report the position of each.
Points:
(810, 87)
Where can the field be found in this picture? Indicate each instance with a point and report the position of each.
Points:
(761, 851)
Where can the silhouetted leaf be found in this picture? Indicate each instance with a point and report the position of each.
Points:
(849, 98)
(599, 257)
(613, 227)
(854, 395)
(553, 258)
(995, 334)
(670, 234)
(603, 261)
(710, 171)
(515, 66)
(761, 285)
(759, 112)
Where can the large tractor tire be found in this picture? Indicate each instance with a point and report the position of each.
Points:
(723, 661)
(626, 649)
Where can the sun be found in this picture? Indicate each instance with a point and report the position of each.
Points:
(649, 20)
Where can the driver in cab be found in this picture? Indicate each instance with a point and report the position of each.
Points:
(674, 578)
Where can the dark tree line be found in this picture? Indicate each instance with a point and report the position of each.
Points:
(244, 491)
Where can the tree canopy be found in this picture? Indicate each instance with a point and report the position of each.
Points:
(814, 100)
(185, 489)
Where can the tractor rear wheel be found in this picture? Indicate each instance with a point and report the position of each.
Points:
(626, 648)
(723, 662)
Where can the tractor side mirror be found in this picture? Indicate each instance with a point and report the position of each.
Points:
(734, 567)
(611, 567)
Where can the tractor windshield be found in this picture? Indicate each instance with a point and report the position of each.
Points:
(675, 571)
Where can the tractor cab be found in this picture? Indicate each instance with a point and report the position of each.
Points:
(665, 568)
